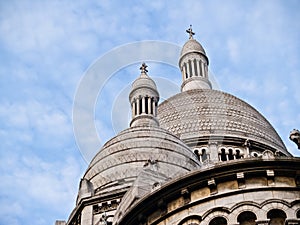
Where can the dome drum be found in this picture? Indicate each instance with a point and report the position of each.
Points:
(192, 56)
(144, 120)
(143, 92)
(195, 83)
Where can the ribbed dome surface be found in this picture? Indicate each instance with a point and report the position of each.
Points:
(122, 158)
(192, 46)
(200, 113)
(143, 81)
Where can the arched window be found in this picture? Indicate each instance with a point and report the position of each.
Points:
(238, 154)
(247, 218)
(140, 106)
(254, 154)
(298, 214)
(200, 68)
(135, 108)
(197, 153)
(203, 154)
(276, 216)
(190, 68)
(223, 155)
(146, 105)
(151, 108)
(230, 155)
(218, 221)
(191, 220)
(195, 67)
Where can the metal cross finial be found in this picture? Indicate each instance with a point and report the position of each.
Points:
(190, 31)
(143, 68)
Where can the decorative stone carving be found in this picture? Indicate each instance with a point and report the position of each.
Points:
(270, 177)
(295, 137)
(241, 180)
(212, 186)
(186, 195)
(267, 154)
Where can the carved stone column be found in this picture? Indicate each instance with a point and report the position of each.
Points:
(213, 148)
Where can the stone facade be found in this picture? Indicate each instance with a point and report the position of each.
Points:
(228, 190)
(200, 157)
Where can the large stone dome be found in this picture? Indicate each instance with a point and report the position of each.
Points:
(121, 159)
(207, 113)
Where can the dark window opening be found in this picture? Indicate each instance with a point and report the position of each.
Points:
(197, 154)
(140, 106)
(204, 155)
(276, 216)
(190, 68)
(218, 221)
(223, 155)
(151, 106)
(146, 105)
(186, 72)
(195, 66)
(230, 156)
(200, 69)
(247, 218)
(238, 154)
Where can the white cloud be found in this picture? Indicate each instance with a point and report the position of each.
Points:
(37, 120)
(45, 47)
(233, 48)
(41, 184)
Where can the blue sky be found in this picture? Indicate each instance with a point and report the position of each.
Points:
(46, 47)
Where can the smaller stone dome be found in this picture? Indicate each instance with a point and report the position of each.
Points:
(120, 161)
(144, 99)
(192, 46)
(193, 64)
(143, 81)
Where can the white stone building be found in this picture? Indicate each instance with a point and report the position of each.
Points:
(200, 157)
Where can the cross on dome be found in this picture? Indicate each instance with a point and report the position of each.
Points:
(190, 31)
(143, 68)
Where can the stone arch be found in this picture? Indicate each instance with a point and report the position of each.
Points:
(239, 153)
(197, 153)
(215, 212)
(245, 205)
(191, 220)
(222, 154)
(295, 206)
(203, 154)
(231, 154)
(241, 207)
(255, 154)
(278, 204)
(268, 154)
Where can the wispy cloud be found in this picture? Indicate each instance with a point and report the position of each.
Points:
(45, 47)
(41, 184)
